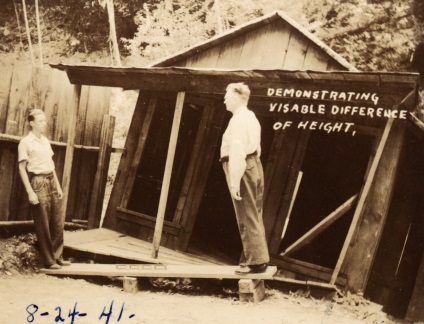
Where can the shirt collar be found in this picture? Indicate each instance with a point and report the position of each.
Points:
(240, 110)
(33, 137)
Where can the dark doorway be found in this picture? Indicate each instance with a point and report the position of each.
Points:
(333, 170)
(147, 187)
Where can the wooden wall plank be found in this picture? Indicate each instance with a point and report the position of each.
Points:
(315, 58)
(275, 49)
(50, 100)
(230, 53)
(8, 163)
(253, 48)
(18, 100)
(5, 88)
(96, 201)
(296, 51)
(66, 180)
(85, 163)
(65, 93)
(361, 252)
(205, 59)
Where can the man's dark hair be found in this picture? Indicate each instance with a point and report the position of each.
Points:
(33, 113)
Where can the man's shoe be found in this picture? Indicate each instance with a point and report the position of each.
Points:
(63, 262)
(242, 269)
(254, 268)
(258, 268)
(54, 267)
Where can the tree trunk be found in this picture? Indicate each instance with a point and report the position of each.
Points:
(112, 32)
(37, 14)
(28, 33)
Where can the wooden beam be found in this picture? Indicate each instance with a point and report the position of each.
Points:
(311, 283)
(8, 225)
(320, 227)
(307, 270)
(159, 271)
(167, 174)
(296, 188)
(67, 169)
(147, 221)
(362, 199)
(97, 196)
(16, 139)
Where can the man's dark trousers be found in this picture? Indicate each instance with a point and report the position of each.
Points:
(249, 211)
(48, 221)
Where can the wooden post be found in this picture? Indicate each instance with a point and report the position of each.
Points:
(251, 290)
(67, 169)
(362, 199)
(296, 189)
(97, 196)
(167, 174)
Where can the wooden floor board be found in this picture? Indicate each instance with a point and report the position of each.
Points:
(94, 235)
(110, 243)
(158, 270)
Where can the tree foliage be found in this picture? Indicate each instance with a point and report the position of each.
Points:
(372, 35)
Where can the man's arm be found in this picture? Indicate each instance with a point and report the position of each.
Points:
(59, 188)
(33, 199)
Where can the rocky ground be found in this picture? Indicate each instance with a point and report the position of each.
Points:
(26, 296)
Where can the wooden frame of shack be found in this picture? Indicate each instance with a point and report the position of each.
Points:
(340, 151)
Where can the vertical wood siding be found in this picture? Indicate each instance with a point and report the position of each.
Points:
(50, 91)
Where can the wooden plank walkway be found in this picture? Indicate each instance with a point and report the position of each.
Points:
(107, 242)
(158, 270)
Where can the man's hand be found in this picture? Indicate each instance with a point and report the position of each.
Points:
(235, 193)
(33, 199)
(59, 192)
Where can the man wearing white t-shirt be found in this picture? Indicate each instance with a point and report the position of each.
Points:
(37, 171)
(240, 157)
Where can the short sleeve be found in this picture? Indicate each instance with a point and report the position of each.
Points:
(51, 150)
(22, 151)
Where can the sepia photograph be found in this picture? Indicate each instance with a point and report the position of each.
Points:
(209, 161)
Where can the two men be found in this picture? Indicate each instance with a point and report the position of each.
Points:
(240, 152)
(37, 171)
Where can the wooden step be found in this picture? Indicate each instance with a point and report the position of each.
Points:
(158, 270)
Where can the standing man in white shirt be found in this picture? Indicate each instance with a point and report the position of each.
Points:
(240, 157)
(37, 171)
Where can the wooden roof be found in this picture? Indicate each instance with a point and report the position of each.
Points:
(244, 28)
(215, 80)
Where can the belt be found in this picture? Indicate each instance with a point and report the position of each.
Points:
(48, 176)
(226, 158)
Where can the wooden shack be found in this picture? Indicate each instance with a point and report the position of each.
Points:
(336, 176)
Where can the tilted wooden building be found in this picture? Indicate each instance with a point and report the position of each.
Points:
(336, 181)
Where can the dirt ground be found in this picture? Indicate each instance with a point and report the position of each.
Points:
(26, 296)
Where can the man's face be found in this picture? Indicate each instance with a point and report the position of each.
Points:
(231, 100)
(39, 123)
